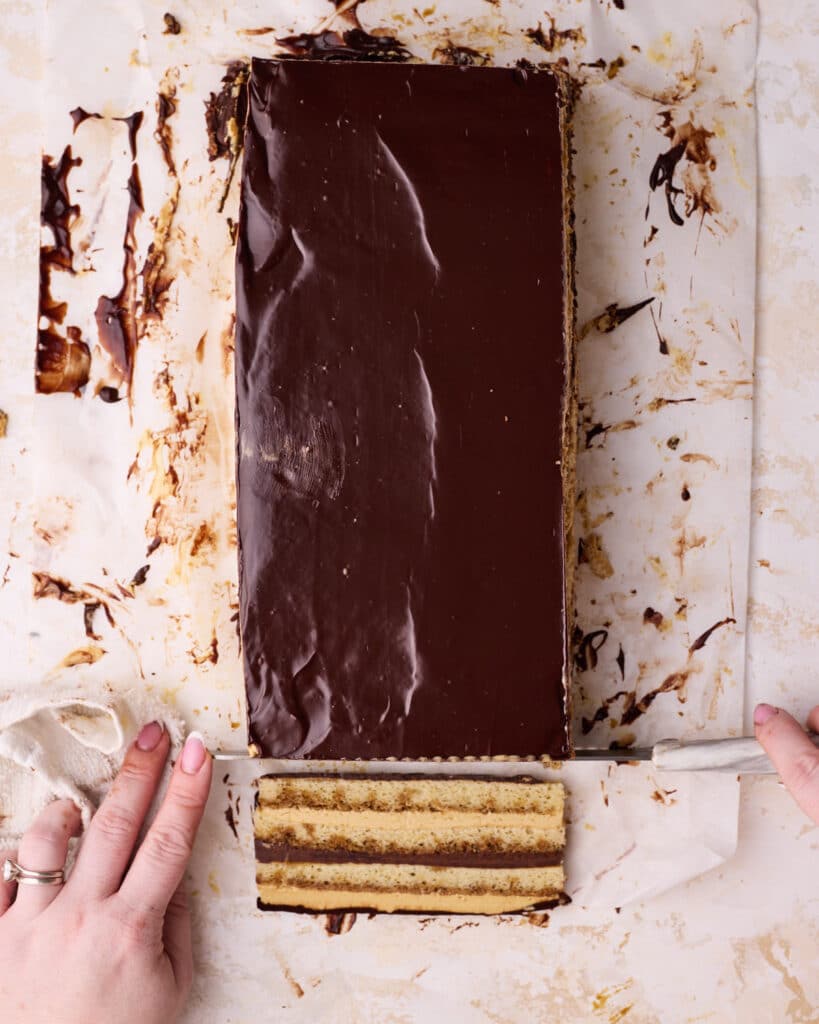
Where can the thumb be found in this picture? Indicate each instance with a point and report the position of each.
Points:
(794, 756)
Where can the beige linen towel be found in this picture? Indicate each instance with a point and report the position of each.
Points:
(67, 743)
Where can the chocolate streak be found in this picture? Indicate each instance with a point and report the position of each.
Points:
(155, 279)
(116, 314)
(460, 56)
(225, 110)
(354, 44)
(400, 393)
(133, 123)
(703, 638)
(79, 115)
(63, 360)
(165, 109)
(225, 115)
(273, 853)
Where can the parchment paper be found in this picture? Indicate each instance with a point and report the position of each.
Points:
(665, 396)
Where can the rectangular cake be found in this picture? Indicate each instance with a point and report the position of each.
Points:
(448, 845)
(405, 417)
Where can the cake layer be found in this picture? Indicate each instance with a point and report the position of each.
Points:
(449, 844)
(421, 879)
(276, 897)
(421, 793)
(404, 397)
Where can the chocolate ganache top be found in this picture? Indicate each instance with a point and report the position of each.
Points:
(400, 374)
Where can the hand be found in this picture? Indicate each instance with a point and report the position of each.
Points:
(793, 754)
(113, 945)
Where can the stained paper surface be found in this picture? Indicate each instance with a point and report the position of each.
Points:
(95, 490)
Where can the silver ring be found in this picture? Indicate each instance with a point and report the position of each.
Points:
(13, 872)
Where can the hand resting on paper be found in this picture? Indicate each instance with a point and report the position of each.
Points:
(112, 944)
(793, 754)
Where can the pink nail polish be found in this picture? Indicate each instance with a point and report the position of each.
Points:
(763, 713)
(193, 754)
(149, 736)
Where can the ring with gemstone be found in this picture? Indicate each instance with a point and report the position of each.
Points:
(14, 872)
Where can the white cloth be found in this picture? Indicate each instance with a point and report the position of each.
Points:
(67, 743)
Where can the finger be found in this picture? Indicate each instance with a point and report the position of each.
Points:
(813, 719)
(44, 847)
(176, 937)
(160, 862)
(112, 834)
(7, 889)
(795, 758)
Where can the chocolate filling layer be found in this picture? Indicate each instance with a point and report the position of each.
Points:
(271, 853)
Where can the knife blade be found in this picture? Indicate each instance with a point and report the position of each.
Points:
(741, 755)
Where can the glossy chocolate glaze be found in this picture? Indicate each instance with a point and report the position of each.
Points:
(400, 394)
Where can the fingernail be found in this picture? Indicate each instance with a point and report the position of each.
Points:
(763, 713)
(149, 736)
(193, 754)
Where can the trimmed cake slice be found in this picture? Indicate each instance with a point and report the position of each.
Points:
(412, 844)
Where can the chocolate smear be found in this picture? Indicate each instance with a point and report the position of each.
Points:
(116, 315)
(612, 316)
(460, 56)
(703, 638)
(553, 39)
(56, 209)
(690, 142)
(165, 109)
(225, 112)
(140, 576)
(635, 708)
(354, 44)
(586, 647)
(63, 361)
(339, 923)
(78, 115)
(155, 280)
(653, 617)
(133, 123)
(225, 115)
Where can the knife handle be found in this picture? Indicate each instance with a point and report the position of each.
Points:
(743, 755)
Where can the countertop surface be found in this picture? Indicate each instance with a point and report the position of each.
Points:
(738, 943)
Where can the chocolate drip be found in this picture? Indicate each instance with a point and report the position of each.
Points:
(225, 112)
(56, 209)
(165, 109)
(116, 314)
(63, 361)
(134, 123)
(78, 115)
(354, 44)
(662, 173)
